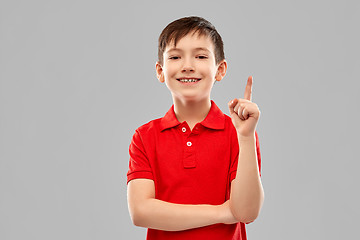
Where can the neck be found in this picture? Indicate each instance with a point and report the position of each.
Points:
(191, 111)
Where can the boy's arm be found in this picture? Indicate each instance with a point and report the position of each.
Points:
(247, 194)
(146, 211)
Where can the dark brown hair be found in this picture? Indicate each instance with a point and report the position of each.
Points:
(179, 28)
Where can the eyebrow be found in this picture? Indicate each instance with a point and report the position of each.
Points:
(180, 50)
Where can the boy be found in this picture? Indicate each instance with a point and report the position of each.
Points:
(195, 173)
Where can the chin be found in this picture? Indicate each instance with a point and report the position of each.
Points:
(190, 98)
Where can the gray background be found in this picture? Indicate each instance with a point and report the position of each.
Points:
(78, 77)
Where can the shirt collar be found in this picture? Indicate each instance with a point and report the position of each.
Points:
(214, 120)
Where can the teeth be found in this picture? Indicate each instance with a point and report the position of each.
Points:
(188, 80)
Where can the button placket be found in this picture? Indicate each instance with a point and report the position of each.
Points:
(189, 160)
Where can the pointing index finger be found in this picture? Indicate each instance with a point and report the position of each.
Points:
(248, 89)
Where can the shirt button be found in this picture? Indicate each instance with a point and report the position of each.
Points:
(183, 129)
(189, 144)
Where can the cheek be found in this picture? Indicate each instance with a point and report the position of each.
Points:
(169, 70)
(207, 68)
(211, 72)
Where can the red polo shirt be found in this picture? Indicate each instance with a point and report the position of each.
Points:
(189, 167)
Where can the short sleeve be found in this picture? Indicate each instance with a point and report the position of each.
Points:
(139, 165)
(235, 155)
(258, 152)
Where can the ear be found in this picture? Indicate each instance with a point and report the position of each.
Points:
(221, 70)
(159, 72)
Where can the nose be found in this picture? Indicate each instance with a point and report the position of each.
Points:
(188, 66)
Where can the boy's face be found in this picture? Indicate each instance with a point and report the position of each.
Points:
(193, 58)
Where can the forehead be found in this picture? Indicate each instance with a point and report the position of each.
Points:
(191, 41)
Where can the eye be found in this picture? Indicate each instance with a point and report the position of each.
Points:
(202, 57)
(175, 57)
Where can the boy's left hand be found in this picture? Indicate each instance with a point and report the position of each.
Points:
(244, 113)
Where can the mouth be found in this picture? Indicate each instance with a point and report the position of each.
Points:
(188, 80)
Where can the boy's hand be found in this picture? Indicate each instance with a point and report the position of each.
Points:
(244, 113)
(225, 213)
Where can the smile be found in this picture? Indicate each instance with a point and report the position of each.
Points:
(188, 80)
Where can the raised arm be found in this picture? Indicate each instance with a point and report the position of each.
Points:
(146, 211)
(247, 193)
